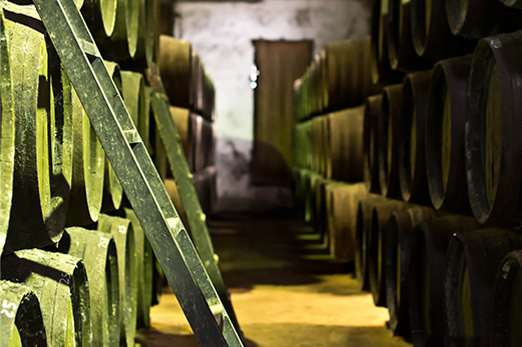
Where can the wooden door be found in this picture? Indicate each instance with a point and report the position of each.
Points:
(279, 63)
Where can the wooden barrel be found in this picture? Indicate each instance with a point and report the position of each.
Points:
(181, 117)
(100, 16)
(209, 99)
(341, 212)
(208, 144)
(301, 145)
(426, 281)
(98, 252)
(21, 321)
(512, 3)
(60, 283)
(376, 252)
(411, 138)
(148, 36)
(121, 44)
(197, 73)
(388, 141)
(172, 190)
(381, 70)
(431, 35)
(137, 103)
(472, 261)
(318, 211)
(370, 143)
(42, 172)
(398, 262)
(88, 167)
(506, 301)
(175, 64)
(493, 140)
(344, 136)
(362, 231)
(348, 76)
(205, 183)
(7, 126)
(318, 140)
(121, 230)
(479, 18)
(316, 84)
(112, 189)
(401, 51)
(300, 193)
(445, 128)
(309, 189)
(144, 258)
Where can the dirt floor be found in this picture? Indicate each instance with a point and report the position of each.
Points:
(285, 291)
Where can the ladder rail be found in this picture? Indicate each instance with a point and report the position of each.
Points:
(139, 178)
(187, 192)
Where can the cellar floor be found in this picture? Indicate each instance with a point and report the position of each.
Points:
(284, 291)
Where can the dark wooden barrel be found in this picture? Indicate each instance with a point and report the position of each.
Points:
(172, 190)
(431, 35)
(7, 145)
(22, 319)
(209, 99)
(318, 140)
(88, 168)
(348, 77)
(112, 189)
(493, 138)
(343, 145)
(309, 193)
(507, 299)
(362, 231)
(381, 70)
(60, 283)
(388, 141)
(370, 143)
(100, 16)
(398, 262)
(175, 63)
(479, 18)
(122, 42)
(341, 211)
(134, 96)
(376, 252)
(472, 261)
(98, 252)
(445, 135)
(144, 258)
(401, 51)
(148, 36)
(512, 3)
(121, 230)
(426, 281)
(411, 138)
(41, 154)
(323, 188)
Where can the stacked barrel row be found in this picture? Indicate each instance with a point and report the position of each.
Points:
(434, 229)
(191, 94)
(328, 143)
(76, 268)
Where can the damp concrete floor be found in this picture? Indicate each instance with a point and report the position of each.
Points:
(284, 290)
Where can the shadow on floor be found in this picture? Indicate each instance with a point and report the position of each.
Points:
(285, 290)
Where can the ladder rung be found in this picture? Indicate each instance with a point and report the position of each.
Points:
(132, 136)
(89, 48)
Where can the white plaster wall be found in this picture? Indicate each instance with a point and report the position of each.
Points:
(222, 34)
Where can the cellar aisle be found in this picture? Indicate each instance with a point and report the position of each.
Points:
(284, 291)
